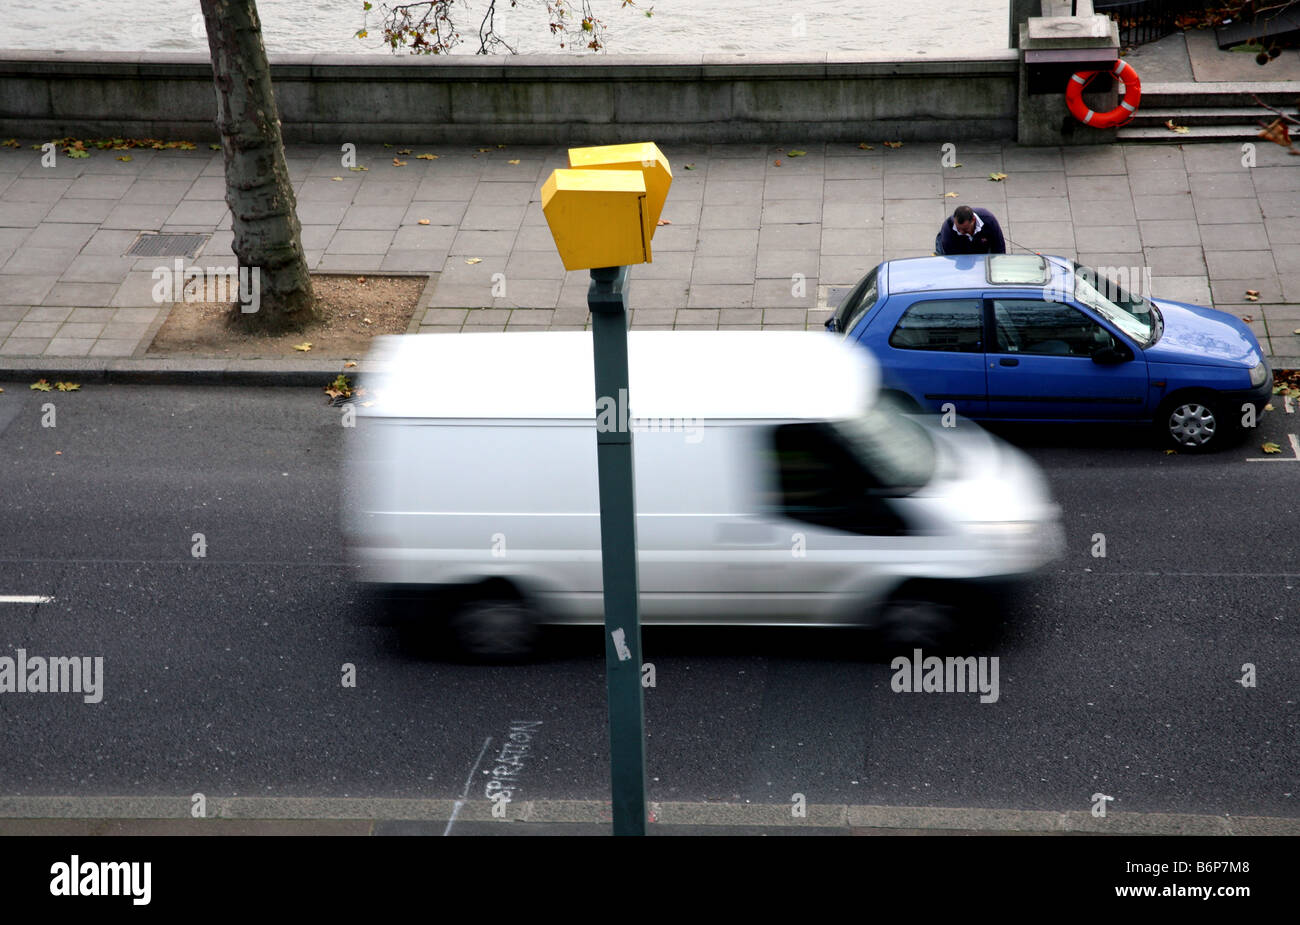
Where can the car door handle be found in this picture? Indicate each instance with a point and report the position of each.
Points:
(1008, 361)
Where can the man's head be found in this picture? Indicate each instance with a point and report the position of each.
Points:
(963, 219)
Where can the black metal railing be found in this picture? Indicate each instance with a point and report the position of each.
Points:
(1142, 21)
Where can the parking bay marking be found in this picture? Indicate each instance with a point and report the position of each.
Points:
(464, 794)
(1295, 449)
(24, 599)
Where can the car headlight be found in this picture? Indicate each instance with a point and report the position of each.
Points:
(1258, 374)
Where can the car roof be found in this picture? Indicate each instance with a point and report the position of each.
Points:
(715, 375)
(965, 271)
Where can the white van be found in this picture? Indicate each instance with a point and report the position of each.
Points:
(770, 487)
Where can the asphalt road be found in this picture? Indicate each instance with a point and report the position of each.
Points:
(222, 674)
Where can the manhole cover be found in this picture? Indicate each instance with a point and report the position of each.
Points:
(167, 245)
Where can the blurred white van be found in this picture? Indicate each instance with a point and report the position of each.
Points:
(770, 486)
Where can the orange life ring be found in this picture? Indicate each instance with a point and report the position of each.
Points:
(1117, 116)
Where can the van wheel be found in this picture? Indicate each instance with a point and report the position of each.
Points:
(912, 620)
(1193, 423)
(495, 630)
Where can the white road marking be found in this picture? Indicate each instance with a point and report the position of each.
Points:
(464, 794)
(1287, 404)
(1295, 450)
(24, 599)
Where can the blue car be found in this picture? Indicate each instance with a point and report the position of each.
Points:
(1031, 338)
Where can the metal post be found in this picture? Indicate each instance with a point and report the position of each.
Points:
(607, 299)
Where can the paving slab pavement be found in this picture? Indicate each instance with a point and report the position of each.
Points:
(749, 243)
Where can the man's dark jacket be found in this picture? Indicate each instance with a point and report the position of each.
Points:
(988, 240)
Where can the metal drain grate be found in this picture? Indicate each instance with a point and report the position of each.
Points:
(167, 245)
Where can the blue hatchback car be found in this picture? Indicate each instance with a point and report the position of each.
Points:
(1033, 338)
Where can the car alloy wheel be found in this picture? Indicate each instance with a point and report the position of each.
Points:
(1192, 424)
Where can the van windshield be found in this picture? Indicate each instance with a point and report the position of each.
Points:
(893, 447)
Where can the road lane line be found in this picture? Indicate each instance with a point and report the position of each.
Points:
(469, 781)
(1286, 403)
(24, 599)
(1295, 450)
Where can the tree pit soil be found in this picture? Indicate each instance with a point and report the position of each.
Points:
(354, 310)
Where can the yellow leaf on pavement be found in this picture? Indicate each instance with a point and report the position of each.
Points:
(40, 385)
(515, 161)
(303, 347)
(866, 147)
(1271, 447)
(426, 157)
(397, 163)
(795, 152)
(125, 157)
(358, 168)
(893, 144)
(67, 386)
(949, 195)
(424, 221)
(473, 260)
(998, 177)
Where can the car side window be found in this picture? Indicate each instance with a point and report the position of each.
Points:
(950, 325)
(816, 480)
(1034, 326)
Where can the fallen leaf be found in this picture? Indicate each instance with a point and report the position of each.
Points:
(1276, 132)
(958, 165)
(397, 163)
(386, 145)
(423, 221)
(893, 144)
(426, 157)
(404, 151)
(473, 260)
(366, 321)
(1268, 407)
(40, 385)
(949, 195)
(214, 146)
(58, 452)
(125, 157)
(1180, 129)
(9, 143)
(500, 146)
(664, 221)
(1248, 318)
(866, 147)
(67, 386)
(515, 161)
(358, 168)
(1171, 452)
(1270, 447)
(303, 347)
(997, 177)
(688, 166)
(336, 178)
(1254, 292)
(484, 150)
(796, 153)
(349, 364)
(777, 162)
(78, 152)
(361, 279)
(1296, 331)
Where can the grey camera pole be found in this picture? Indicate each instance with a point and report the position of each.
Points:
(607, 299)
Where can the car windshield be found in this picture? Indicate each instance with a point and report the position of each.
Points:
(1130, 313)
(856, 304)
(893, 448)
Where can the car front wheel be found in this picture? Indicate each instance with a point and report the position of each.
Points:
(1194, 423)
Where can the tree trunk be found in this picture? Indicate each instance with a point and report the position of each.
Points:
(268, 239)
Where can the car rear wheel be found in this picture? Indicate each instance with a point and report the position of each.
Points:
(1194, 423)
(495, 630)
(914, 620)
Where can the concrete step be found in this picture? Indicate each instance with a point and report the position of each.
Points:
(1226, 115)
(1280, 93)
(1240, 132)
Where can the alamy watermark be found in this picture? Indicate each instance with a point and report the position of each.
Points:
(614, 416)
(951, 675)
(179, 283)
(57, 674)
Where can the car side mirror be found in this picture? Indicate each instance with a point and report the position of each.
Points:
(1112, 356)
